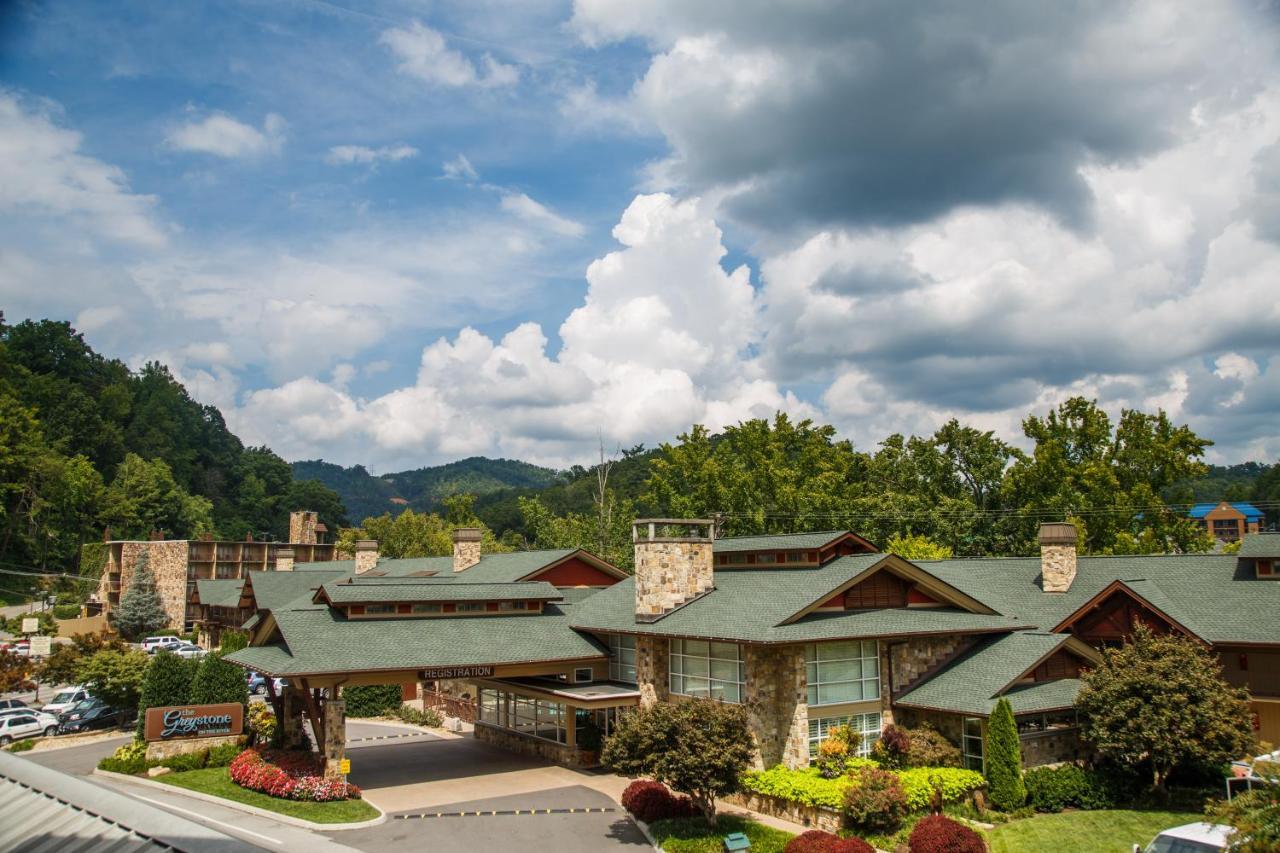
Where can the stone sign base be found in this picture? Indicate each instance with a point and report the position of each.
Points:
(159, 750)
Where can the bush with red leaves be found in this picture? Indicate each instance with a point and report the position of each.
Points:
(650, 801)
(938, 834)
(288, 775)
(817, 841)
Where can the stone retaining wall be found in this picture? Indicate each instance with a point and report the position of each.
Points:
(161, 749)
(562, 754)
(809, 816)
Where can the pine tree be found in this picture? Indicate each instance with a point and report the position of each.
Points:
(167, 683)
(141, 610)
(1004, 760)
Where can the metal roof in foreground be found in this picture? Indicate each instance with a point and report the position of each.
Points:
(43, 809)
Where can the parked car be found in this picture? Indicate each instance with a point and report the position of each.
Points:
(63, 700)
(258, 683)
(8, 704)
(187, 650)
(90, 715)
(32, 724)
(151, 644)
(1190, 838)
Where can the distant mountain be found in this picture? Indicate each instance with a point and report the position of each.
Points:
(365, 494)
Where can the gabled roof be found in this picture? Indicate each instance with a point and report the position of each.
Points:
(492, 568)
(348, 591)
(1145, 592)
(1248, 510)
(275, 590)
(1259, 545)
(974, 681)
(755, 604)
(317, 639)
(1224, 601)
(220, 592)
(784, 541)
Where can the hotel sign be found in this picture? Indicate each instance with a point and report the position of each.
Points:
(194, 721)
(437, 673)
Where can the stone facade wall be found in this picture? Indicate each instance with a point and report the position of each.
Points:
(168, 563)
(159, 750)
(777, 705)
(1057, 566)
(815, 818)
(670, 573)
(562, 754)
(653, 658)
(912, 658)
(302, 527)
(335, 736)
(1051, 748)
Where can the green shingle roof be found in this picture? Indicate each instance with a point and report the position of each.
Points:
(221, 592)
(1260, 545)
(320, 640)
(274, 590)
(1211, 594)
(751, 605)
(776, 542)
(972, 683)
(345, 592)
(492, 568)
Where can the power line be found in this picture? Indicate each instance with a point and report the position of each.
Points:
(976, 512)
(42, 574)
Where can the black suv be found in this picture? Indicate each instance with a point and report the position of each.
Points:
(89, 715)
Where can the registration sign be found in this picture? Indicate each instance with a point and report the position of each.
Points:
(194, 721)
(438, 672)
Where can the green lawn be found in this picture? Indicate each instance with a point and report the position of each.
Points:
(215, 781)
(692, 835)
(1084, 832)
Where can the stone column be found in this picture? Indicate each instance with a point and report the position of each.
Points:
(777, 705)
(335, 736)
(652, 658)
(290, 722)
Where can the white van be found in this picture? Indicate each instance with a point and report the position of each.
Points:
(1190, 838)
(153, 644)
(64, 699)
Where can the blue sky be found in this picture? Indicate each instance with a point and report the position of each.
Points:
(401, 233)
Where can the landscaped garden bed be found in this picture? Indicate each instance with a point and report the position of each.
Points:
(289, 775)
(216, 781)
(693, 835)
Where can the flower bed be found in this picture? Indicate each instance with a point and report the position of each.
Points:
(289, 776)
(808, 788)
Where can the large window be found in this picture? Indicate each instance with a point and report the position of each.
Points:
(972, 744)
(867, 725)
(533, 717)
(701, 668)
(1034, 724)
(622, 658)
(842, 672)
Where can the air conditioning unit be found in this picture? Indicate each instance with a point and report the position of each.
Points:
(453, 724)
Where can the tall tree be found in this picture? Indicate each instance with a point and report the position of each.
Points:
(144, 496)
(1003, 755)
(1159, 702)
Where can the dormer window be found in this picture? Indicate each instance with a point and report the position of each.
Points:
(471, 607)
(373, 609)
(427, 608)
(513, 605)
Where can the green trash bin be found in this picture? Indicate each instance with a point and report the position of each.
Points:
(736, 841)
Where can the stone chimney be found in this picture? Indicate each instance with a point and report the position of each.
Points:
(302, 527)
(673, 563)
(466, 548)
(284, 559)
(1057, 556)
(366, 555)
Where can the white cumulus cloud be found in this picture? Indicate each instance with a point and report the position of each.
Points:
(223, 136)
(345, 155)
(422, 53)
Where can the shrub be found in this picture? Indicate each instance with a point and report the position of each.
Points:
(956, 784)
(217, 681)
(938, 834)
(1004, 759)
(221, 756)
(1052, 789)
(289, 776)
(66, 611)
(892, 747)
(130, 759)
(429, 717)
(167, 682)
(262, 722)
(817, 841)
(22, 745)
(374, 700)
(928, 747)
(805, 787)
(876, 801)
(185, 761)
(834, 752)
(650, 801)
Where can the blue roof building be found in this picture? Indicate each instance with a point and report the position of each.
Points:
(1228, 521)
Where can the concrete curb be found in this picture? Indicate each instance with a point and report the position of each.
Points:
(243, 807)
(644, 830)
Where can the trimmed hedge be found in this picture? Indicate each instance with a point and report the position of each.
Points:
(938, 834)
(375, 700)
(1052, 789)
(650, 801)
(808, 788)
(817, 841)
(130, 759)
(956, 783)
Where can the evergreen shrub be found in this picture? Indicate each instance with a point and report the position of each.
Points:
(650, 801)
(167, 682)
(1004, 759)
(374, 700)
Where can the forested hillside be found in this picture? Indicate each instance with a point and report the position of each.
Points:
(422, 489)
(85, 443)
